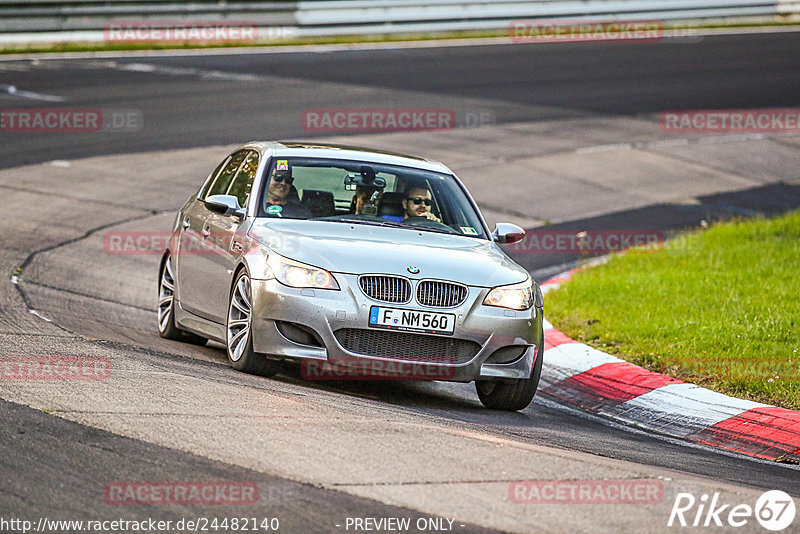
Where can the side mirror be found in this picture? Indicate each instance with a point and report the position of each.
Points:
(507, 233)
(226, 205)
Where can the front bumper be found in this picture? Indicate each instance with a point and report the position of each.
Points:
(326, 312)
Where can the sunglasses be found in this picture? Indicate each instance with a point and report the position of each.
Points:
(283, 178)
(419, 200)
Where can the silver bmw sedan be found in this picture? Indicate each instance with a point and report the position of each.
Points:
(356, 263)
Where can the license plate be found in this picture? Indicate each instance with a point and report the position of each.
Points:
(412, 320)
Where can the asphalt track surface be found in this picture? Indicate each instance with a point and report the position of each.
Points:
(226, 99)
(189, 108)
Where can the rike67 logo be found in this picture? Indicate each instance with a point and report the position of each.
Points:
(774, 510)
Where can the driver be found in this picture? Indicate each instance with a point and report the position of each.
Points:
(417, 203)
(279, 202)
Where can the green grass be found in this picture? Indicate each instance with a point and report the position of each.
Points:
(336, 39)
(63, 47)
(718, 307)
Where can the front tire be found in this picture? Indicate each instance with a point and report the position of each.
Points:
(511, 395)
(166, 307)
(239, 344)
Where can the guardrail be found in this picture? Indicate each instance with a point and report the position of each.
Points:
(85, 20)
(88, 15)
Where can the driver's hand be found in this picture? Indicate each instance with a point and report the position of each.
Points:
(431, 216)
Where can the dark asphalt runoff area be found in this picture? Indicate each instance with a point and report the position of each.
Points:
(59, 467)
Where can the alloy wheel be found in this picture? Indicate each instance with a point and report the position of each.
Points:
(239, 313)
(166, 294)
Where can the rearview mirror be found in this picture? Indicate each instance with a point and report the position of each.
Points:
(366, 178)
(507, 233)
(226, 205)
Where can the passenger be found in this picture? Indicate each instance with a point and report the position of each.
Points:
(280, 202)
(417, 203)
(365, 200)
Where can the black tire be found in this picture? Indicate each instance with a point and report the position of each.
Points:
(239, 341)
(511, 395)
(166, 307)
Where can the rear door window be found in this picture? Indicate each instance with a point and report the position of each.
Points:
(241, 185)
(220, 185)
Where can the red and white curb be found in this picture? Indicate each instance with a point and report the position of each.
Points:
(606, 385)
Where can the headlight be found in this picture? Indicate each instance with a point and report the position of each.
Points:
(295, 274)
(516, 297)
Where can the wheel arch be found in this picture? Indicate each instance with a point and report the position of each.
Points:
(242, 266)
(167, 253)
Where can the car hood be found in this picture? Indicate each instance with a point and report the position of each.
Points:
(358, 248)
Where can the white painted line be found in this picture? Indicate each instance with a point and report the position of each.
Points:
(15, 67)
(668, 143)
(680, 409)
(732, 138)
(683, 141)
(39, 315)
(46, 65)
(13, 91)
(183, 71)
(546, 325)
(603, 148)
(143, 67)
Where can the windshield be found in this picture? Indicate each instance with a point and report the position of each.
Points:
(367, 193)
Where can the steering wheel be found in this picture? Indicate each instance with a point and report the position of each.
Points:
(421, 220)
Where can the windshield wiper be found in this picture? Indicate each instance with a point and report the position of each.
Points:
(360, 221)
(391, 224)
(431, 229)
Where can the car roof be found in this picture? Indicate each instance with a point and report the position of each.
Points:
(331, 151)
